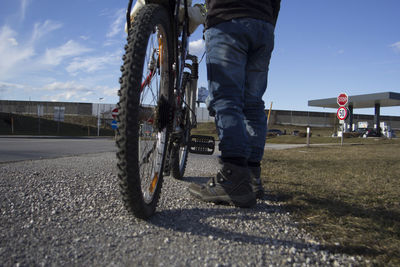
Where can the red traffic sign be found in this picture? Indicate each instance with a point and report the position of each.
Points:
(342, 113)
(342, 99)
(114, 113)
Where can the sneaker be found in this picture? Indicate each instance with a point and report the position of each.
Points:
(256, 185)
(230, 185)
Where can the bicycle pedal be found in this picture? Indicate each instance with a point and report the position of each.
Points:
(201, 144)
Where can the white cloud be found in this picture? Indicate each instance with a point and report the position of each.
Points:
(41, 29)
(21, 58)
(24, 7)
(11, 53)
(31, 57)
(54, 56)
(59, 91)
(17, 57)
(107, 91)
(92, 64)
(62, 86)
(197, 47)
(8, 87)
(118, 24)
(396, 46)
(65, 91)
(7, 38)
(15, 91)
(12, 41)
(73, 91)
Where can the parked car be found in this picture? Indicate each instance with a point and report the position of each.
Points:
(361, 131)
(295, 132)
(368, 132)
(276, 132)
(392, 134)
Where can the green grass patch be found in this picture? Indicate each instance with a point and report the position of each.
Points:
(347, 197)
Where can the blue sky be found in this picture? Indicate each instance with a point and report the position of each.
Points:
(71, 51)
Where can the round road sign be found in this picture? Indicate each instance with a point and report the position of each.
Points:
(342, 113)
(114, 113)
(342, 99)
(114, 125)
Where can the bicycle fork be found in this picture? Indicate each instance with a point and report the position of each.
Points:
(185, 118)
(198, 144)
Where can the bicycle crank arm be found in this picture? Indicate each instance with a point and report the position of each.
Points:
(201, 144)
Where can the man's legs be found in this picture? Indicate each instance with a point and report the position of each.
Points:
(232, 64)
(238, 55)
(254, 110)
(227, 47)
(256, 84)
(226, 51)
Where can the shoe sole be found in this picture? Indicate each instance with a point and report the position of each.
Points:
(259, 194)
(258, 191)
(239, 201)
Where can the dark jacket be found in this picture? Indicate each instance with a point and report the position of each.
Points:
(224, 10)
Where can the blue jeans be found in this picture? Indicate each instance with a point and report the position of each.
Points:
(238, 55)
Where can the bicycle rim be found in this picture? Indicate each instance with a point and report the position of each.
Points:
(152, 141)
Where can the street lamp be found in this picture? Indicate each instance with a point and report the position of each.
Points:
(98, 116)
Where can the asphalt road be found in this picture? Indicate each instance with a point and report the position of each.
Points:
(67, 211)
(29, 148)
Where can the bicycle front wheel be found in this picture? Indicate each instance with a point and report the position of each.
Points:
(145, 110)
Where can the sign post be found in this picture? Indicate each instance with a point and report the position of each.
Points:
(342, 115)
(342, 112)
(40, 114)
(114, 123)
(59, 116)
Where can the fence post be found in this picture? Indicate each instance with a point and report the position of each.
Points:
(12, 124)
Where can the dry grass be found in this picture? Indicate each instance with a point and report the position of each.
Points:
(319, 135)
(207, 128)
(348, 197)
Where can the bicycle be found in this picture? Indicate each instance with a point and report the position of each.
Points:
(157, 106)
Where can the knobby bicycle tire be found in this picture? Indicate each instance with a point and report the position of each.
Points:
(144, 112)
(179, 155)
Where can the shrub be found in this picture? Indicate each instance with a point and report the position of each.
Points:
(351, 135)
(304, 134)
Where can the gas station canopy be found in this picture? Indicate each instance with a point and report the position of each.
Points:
(387, 99)
(378, 100)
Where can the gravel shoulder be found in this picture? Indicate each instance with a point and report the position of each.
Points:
(67, 211)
